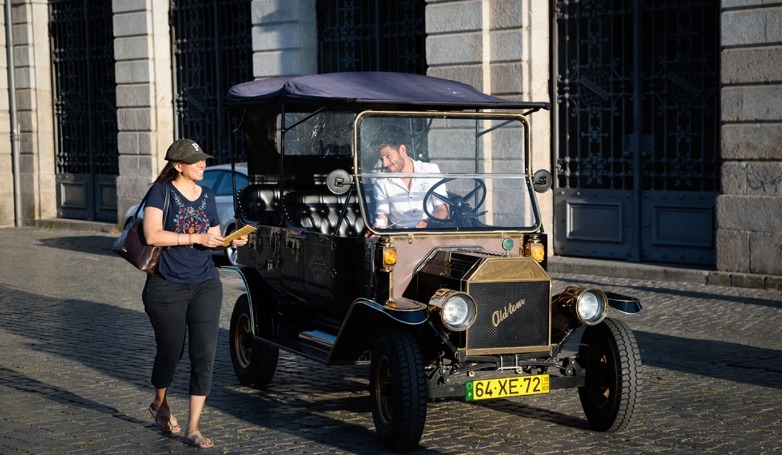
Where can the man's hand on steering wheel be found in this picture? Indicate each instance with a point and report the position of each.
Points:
(457, 207)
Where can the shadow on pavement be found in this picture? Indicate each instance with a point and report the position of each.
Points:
(716, 359)
(119, 343)
(94, 244)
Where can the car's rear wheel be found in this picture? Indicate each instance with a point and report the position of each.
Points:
(254, 362)
(613, 385)
(398, 390)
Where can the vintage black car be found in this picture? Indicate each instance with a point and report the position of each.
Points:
(457, 306)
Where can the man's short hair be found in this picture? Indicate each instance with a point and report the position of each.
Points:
(389, 135)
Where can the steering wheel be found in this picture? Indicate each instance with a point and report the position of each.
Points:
(459, 210)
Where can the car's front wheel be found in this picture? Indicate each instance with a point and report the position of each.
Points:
(254, 362)
(397, 388)
(613, 385)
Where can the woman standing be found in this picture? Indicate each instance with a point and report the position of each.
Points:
(185, 293)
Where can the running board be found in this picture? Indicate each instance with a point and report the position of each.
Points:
(315, 345)
(316, 337)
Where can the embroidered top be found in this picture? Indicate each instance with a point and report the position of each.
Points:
(182, 264)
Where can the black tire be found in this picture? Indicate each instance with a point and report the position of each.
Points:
(397, 388)
(613, 386)
(254, 362)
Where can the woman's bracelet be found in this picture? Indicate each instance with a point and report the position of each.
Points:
(190, 239)
(177, 239)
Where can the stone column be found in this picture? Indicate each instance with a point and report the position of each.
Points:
(32, 61)
(285, 38)
(145, 110)
(749, 210)
(6, 159)
(500, 47)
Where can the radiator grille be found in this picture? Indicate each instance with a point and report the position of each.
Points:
(510, 315)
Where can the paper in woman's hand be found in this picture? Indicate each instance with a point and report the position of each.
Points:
(236, 234)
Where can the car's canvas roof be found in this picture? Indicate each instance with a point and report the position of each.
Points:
(366, 89)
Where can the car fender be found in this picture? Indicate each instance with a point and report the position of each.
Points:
(254, 288)
(623, 303)
(368, 318)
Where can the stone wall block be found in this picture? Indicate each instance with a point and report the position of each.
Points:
(450, 17)
(765, 179)
(276, 11)
(131, 23)
(131, 48)
(463, 48)
(467, 74)
(732, 250)
(506, 45)
(751, 66)
(734, 178)
(751, 141)
(744, 27)
(275, 36)
(132, 72)
(124, 6)
(765, 253)
(749, 213)
(506, 14)
(129, 96)
(507, 79)
(749, 103)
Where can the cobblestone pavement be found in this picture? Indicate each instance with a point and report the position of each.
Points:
(76, 352)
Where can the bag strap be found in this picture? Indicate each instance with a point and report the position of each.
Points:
(165, 204)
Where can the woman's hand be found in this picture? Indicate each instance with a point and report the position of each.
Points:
(209, 240)
(240, 241)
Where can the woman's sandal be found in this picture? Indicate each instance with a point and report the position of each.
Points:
(165, 421)
(197, 439)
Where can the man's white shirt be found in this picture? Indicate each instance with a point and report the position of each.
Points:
(403, 207)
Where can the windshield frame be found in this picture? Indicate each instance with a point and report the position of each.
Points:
(362, 177)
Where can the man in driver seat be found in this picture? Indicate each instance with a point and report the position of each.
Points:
(400, 200)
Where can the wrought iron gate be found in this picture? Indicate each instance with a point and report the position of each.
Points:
(371, 35)
(637, 137)
(86, 157)
(212, 51)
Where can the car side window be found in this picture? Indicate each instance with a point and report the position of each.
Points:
(241, 181)
(224, 186)
(210, 180)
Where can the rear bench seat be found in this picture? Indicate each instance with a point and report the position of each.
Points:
(260, 204)
(319, 210)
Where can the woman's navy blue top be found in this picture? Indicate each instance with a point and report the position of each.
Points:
(181, 264)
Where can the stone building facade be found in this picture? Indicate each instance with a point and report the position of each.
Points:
(502, 47)
(749, 208)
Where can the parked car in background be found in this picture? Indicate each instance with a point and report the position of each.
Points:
(218, 178)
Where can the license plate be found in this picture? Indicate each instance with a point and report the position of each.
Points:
(485, 389)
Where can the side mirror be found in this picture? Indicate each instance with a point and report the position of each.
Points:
(542, 180)
(339, 181)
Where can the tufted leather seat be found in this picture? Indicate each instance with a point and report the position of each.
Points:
(319, 210)
(260, 204)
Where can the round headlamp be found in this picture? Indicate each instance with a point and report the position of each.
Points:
(591, 306)
(457, 309)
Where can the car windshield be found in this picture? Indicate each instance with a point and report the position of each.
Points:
(445, 171)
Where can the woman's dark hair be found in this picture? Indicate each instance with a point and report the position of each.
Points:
(168, 174)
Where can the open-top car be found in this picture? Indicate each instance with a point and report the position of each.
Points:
(398, 225)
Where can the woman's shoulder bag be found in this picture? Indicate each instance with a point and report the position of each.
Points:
(131, 244)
